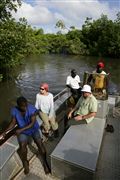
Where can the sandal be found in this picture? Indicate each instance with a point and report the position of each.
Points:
(109, 128)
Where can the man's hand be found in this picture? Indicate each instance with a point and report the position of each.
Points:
(78, 117)
(2, 136)
(69, 115)
(18, 131)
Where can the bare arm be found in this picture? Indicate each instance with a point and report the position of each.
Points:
(75, 108)
(80, 117)
(92, 114)
(70, 113)
(10, 127)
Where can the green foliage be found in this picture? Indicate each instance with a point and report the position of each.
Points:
(75, 46)
(12, 42)
(37, 42)
(56, 43)
(6, 7)
(102, 37)
(60, 24)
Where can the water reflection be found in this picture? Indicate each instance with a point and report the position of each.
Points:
(52, 69)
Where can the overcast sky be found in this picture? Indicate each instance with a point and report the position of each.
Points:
(45, 13)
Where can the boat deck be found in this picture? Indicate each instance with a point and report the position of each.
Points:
(109, 159)
(108, 164)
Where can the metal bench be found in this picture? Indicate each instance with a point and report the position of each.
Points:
(9, 159)
(77, 153)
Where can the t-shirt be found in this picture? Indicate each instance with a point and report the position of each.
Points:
(86, 106)
(45, 104)
(73, 82)
(103, 72)
(24, 121)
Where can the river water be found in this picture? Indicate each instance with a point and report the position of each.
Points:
(52, 69)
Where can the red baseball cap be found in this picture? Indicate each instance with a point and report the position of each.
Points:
(101, 64)
(45, 86)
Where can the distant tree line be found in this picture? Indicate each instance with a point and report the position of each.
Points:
(99, 37)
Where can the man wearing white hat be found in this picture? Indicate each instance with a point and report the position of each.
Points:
(85, 109)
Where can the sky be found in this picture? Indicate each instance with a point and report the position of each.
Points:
(45, 13)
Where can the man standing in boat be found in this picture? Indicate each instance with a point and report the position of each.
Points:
(99, 81)
(85, 109)
(24, 115)
(73, 82)
(99, 68)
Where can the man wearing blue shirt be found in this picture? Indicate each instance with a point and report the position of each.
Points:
(24, 115)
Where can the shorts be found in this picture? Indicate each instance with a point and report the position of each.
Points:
(25, 138)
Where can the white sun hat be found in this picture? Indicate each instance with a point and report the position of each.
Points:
(86, 88)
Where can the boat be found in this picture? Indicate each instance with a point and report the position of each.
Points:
(101, 163)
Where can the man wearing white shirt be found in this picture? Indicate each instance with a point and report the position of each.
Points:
(73, 82)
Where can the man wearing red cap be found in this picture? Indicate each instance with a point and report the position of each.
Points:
(99, 70)
(98, 80)
(100, 67)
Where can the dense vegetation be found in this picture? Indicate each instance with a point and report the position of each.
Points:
(99, 37)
